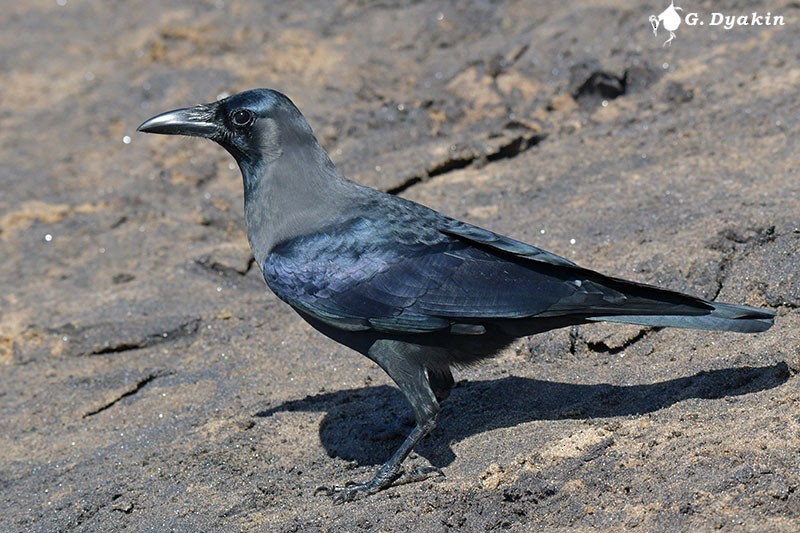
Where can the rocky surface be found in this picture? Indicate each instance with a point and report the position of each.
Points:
(149, 381)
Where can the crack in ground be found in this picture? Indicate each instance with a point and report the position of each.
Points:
(215, 266)
(140, 384)
(596, 86)
(722, 275)
(515, 146)
(186, 329)
(602, 347)
(405, 185)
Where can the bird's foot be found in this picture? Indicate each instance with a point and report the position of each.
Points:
(345, 493)
(419, 474)
(352, 491)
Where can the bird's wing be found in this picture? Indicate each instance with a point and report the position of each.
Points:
(483, 237)
(354, 277)
(367, 274)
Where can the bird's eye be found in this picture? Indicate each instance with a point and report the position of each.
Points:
(241, 117)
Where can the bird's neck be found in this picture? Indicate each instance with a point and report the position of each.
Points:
(297, 193)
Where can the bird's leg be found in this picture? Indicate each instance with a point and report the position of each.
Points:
(387, 475)
(400, 361)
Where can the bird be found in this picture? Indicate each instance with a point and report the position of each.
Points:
(671, 19)
(417, 292)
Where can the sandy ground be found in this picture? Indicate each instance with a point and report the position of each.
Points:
(149, 380)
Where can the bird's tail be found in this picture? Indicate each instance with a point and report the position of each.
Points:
(629, 302)
(721, 317)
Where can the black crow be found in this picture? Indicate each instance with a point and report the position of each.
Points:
(414, 290)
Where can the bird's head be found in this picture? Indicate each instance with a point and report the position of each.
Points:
(255, 126)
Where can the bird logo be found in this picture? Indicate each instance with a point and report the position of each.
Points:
(670, 19)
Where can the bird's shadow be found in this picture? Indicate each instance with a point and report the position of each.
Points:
(367, 424)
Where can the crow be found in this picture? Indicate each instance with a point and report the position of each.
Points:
(415, 291)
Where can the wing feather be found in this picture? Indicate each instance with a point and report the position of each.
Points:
(370, 273)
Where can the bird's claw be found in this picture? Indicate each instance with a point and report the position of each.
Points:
(351, 491)
(345, 493)
(419, 474)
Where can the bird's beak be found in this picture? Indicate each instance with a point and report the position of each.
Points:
(196, 121)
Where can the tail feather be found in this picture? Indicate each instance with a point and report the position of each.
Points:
(653, 306)
(721, 317)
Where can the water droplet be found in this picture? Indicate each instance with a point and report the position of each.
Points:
(48, 237)
(126, 139)
(572, 241)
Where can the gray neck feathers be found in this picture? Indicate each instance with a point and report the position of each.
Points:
(294, 194)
